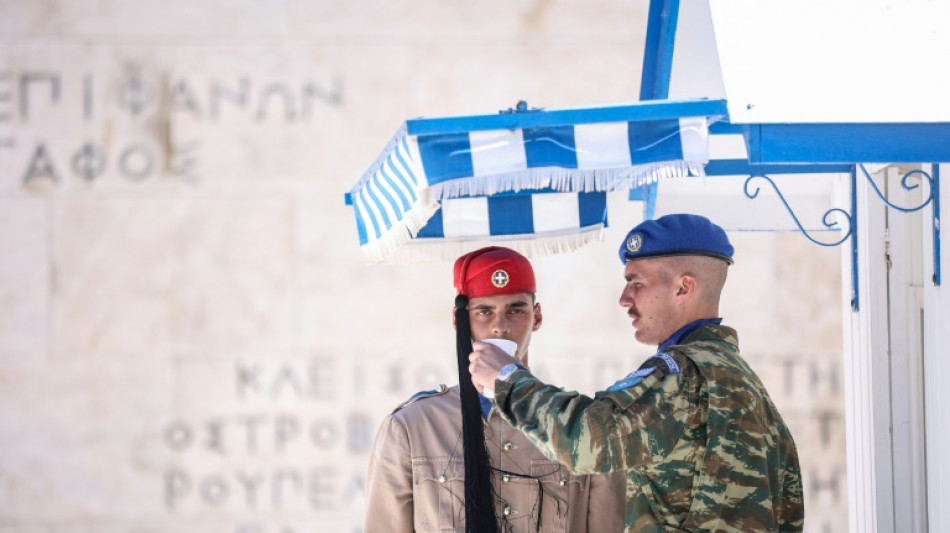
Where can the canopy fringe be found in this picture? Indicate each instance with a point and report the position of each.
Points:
(566, 179)
(425, 251)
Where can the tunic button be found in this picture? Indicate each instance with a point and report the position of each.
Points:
(441, 479)
(507, 447)
(562, 482)
(506, 478)
(507, 510)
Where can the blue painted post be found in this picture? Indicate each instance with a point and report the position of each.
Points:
(936, 222)
(658, 50)
(854, 239)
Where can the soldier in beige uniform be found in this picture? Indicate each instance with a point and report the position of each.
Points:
(416, 479)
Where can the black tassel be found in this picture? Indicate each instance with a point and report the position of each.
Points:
(479, 498)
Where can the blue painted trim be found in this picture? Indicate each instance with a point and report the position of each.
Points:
(724, 127)
(855, 304)
(849, 143)
(905, 183)
(825, 220)
(647, 194)
(658, 50)
(936, 223)
(643, 111)
(741, 167)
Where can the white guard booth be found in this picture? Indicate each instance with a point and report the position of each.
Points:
(858, 84)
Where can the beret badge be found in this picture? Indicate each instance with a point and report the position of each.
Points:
(500, 278)
(634, 243)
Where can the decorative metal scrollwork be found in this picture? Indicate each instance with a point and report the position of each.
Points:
(826, 220)
(905, 183)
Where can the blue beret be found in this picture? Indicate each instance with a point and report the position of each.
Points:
(679, 234)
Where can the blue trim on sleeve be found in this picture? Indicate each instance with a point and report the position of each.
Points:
(485, 404)
(631, 379)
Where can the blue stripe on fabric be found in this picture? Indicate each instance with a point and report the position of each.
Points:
(381, 184)
(390, 176)
(592, 207)
(510, 215)
(434, 228)
(550, 147)
(379, 206)
(405, 178)
(446, 156)
(398, 170)
(653, 141)
(360, 226)
(367, 213)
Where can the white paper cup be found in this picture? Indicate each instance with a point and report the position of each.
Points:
(509, 347)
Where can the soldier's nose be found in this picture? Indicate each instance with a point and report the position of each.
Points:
(625, 301)
(501, 327)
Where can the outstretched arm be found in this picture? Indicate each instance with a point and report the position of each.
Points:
(615, 430)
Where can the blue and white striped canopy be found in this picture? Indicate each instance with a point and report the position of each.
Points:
(539, 189)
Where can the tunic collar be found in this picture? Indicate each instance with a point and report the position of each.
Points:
(684, 331)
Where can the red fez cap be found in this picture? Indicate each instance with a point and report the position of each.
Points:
(493, 270)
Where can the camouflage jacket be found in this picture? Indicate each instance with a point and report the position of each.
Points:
(702, 444)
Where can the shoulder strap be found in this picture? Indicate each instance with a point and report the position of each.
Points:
(421, 395)
(662, 361)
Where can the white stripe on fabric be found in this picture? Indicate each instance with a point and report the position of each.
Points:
(605, 145)
(387, 181)
(402, 159)
(372, 208)
(497, 151)
(465, 217)
(371, 219)
(375, 192)
(694, 133)
(402, 177)
(555, 211)
(405, 175)
(398, 183)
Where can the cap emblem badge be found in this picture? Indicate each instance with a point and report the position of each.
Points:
(634, 243)
(500, 278)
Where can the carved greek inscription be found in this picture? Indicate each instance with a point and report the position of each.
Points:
(33, 95)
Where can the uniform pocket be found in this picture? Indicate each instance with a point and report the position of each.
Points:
(439, 493)
(559, 491)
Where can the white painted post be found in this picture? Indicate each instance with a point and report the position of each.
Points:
(866, 374)
(937, 368)
(905, 305)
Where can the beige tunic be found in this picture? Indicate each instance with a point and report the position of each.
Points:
(416, 471)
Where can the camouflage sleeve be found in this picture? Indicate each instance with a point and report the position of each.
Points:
(792, 513)
(613, 431)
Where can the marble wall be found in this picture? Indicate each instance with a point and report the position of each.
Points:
(189, 340)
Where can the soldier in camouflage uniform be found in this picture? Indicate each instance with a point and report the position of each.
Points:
(702, 444)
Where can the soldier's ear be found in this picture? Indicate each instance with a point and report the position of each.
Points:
(686, 286)
(537, 317)
(453, 317)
